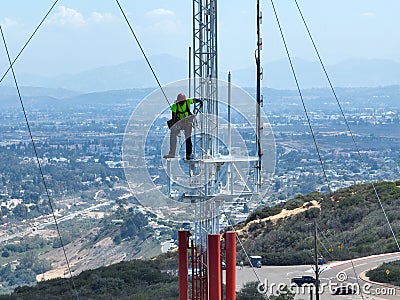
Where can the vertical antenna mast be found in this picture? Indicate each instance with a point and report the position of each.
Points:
(258, 96)
(316, 262)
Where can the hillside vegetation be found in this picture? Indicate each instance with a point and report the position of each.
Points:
(386, 273)
(350, 218)
(134, 280)
(350, 222)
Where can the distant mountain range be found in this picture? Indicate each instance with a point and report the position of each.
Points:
(349, 73)
(274, 99)
(277, 74)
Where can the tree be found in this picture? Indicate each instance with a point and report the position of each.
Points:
(285, 294)
(20, 211)
(250, 292)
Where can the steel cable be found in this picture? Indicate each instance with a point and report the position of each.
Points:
(305, 110)
(142, 50)
(246, 253)
(347, 123)
(27, 42)
(39, 165)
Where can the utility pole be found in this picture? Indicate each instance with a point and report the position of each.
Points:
(316, 262)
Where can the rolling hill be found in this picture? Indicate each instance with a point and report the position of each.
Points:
(351, 218)
(350, 222)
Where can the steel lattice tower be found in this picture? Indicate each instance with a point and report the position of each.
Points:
(206, 87)
(221, 177)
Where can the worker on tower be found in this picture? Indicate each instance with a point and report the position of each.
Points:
(182, 119)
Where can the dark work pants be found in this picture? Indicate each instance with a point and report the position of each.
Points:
(186, 126)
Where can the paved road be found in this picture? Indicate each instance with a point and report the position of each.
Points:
(50, 222)
(275, 275)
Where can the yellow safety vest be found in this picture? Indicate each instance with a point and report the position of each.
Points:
(182, 111)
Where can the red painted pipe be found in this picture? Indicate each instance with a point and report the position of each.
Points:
(214, 267)
(194, 267)
(230, 247)
(183, 264)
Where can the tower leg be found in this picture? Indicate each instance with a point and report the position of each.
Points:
(183, 265)
(214, 267)
(230, 246)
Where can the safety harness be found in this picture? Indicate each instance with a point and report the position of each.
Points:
(183, 111)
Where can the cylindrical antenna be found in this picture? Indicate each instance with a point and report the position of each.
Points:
(214, 267)
(229, 171)
(230, 248)
(190, 72)
(183, 265)
(229, 114)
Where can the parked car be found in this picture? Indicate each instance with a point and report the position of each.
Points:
(194, 272)
(343, 290)
(305, 279)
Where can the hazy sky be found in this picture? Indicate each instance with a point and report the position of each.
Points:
(81, 34)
